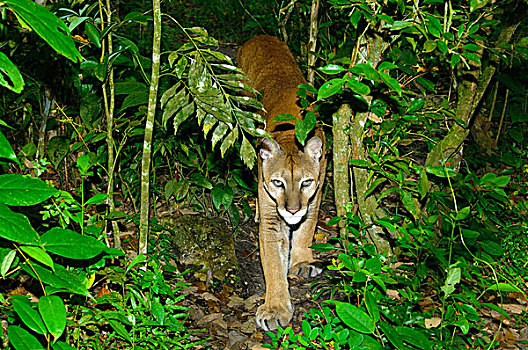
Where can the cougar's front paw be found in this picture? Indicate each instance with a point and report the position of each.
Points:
(305, 270)
(269, 317)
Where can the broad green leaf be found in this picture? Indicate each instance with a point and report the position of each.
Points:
(200, 180)
(20, 190)
(70, 244)
(47, 26)
(322, 247)
(358, 87)
(284, 118)
(330, 88)
(60, 345)
(429, 45)
(120, 330)
(423, 184)
(7, 261)
(414, 337)
(392, 335)
(505, 287)
(229, 141)
(409, 203)
(85, 162)
(365, 70)
(8, 70)
(58, 148)
(135, 99)
(6, 151)
(455, 59)
(92, 33)
(60, 279)
(16, 227)
(360, 163)
(399, 25)
(97, 199)
(492, 248)
(222, 196)
(374, 185)
(219, 132)
(181, 188)
(183, 114)
(53, 312)
(39, 255)
(141, 258)
(463, 213)
(372, 306)
(416, 105)
(248, 153)
(354, 317)
(27, 314)
(476, 4)
(453, 278)
(391, 82)
(331, 69)
(441, 171)
(22, 339)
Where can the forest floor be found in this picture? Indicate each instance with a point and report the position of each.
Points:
(225, 311)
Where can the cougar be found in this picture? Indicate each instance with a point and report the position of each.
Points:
(290, 177)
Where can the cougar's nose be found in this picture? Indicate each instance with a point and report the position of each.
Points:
(293, 210)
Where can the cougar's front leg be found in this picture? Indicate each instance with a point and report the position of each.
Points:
(301, 257)
(274, 250)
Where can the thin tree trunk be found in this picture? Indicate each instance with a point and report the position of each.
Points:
(149, 129)
(343, 187)
(109, 102)
(312, 43)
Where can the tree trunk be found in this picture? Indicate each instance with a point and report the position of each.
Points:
(149, 130)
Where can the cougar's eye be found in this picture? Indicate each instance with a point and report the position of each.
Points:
(277, 183)
(307, 183)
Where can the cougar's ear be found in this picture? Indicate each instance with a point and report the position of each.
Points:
(314, 148)
(268, 147)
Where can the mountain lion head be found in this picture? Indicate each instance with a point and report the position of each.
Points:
(291, 176)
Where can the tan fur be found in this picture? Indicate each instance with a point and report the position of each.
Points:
(290, 177)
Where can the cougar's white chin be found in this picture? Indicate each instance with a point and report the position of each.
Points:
(292, 219)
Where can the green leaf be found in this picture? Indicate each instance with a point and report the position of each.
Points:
(93, 34)
(20, 190)
(414, 337)
(505, 287)
(60, 345)
(8, 70)
(476, 4)
(392, 335)
(331, 69)
(248, 153)
(360, 163)
(135, 99)
(70, 244)
(22, 339)
(455, 59)
(27, 314)
(409, 203)
(183, 114)
(358, 87)
(354, 317)
(47, 26)
(423, 184)
(120, 330)
(441, 171)
(200, 180)
(365, 70)
(16, 227)
(6, 151)
(463, 213)
(58, 148)
(7, 262)
(97, 199)
(391, 82)
(429, 45)
(453, 278)
(330, 88)
(372, 306)
(322, 247)
(222, 196)
(284, 117)
(39, 255)
(399, 25)
(492, 248)
(229, 141)
(61, 278)
(85, 162)
(303, 127)
(53, 312)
